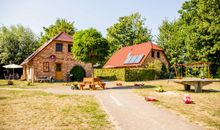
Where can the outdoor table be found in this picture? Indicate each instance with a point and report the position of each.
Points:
(197, 83)
(92, 82)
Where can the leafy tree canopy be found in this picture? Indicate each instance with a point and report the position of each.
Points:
(195, 36)
(16, 44)
(129, 30)
(171, 39)
(61, 25)
(89, 46)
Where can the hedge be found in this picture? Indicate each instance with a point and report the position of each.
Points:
(126, 74)
(110, 74)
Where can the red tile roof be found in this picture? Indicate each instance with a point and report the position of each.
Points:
(118, 58)
(62, 36)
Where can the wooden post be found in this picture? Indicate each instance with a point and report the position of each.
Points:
(175, 70)
(181, 72)
(208, 71)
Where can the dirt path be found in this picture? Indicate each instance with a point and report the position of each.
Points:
(129, 111)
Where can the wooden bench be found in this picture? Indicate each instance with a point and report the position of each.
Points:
(43, 79)
(92, 82)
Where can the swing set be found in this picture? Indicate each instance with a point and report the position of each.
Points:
(195, 69)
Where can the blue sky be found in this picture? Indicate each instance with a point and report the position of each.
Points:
(99, 14)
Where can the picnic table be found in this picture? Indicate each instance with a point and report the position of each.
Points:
(92, 83)
(197, 83)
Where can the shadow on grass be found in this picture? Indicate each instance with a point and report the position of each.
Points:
(132, 87)
(203, 91)
(146, 86)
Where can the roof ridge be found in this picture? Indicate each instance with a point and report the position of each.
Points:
(138, 44)
(67, 34)
(56, 36)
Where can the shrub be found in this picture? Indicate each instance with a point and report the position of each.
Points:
(138, 74)
(77, 73)
(110, 74)
(10, 82)
(125, 74)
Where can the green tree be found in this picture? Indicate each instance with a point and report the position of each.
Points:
(195, 36)
(171, 39)
(89, 46)
(201, 22)
(129, 30)
(16, 44)
(61, 25)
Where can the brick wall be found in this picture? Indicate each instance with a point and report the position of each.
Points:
(162, 58)
(64, 57)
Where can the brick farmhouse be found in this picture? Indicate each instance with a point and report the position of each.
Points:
(53, 58)
(137, 56)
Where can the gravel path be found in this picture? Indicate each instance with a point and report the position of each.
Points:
(129, 111)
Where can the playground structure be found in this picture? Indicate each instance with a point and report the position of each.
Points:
(198, 80)
(193, 68)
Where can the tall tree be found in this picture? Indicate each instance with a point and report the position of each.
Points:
(61, 25)
(196, 34)
(16, 44)
(202, 24)
(129, 30)
(171, 39)
(89, 46)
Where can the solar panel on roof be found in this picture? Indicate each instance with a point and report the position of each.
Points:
(133, 59)
(138, 59)
(127, 59)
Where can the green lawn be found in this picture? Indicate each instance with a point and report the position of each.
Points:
(206, 107)
(40, 111)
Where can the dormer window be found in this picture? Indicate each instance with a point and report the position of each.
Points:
(158, 54)
(152, 54)
(59, 47)
(69, 48)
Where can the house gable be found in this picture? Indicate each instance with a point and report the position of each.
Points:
(54, 61)
(61, 37)
(162, 57)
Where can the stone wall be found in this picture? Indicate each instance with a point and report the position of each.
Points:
(64, 57)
